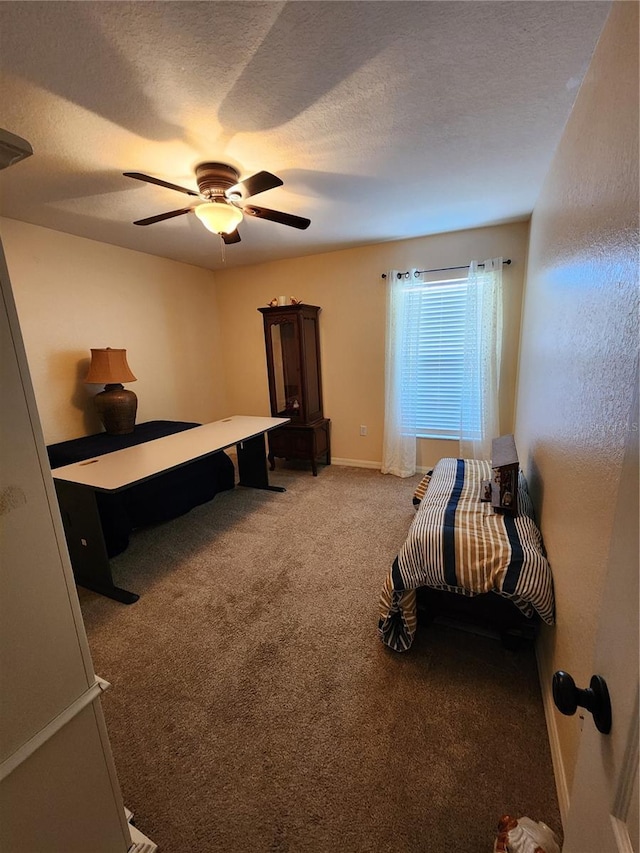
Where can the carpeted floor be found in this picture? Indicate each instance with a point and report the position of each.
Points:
(254, 709)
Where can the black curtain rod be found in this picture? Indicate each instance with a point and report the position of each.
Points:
(442, 269)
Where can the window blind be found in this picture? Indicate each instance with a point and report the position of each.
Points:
(435, 380)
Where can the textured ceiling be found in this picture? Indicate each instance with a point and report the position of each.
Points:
(386, 120)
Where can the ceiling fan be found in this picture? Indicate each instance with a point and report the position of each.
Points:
(223, 195)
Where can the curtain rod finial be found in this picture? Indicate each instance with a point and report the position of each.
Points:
(417, 273)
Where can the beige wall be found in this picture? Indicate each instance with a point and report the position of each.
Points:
(194, 339)
(349, 288)
(73, 294)
(579, 348)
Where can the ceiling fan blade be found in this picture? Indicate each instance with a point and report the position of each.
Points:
(278, 216)
(161, 216)
(258, 183)
(234, 237)
(140, 177)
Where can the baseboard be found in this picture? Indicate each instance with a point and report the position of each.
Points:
(139, 842)
(366, 463)
(355, 463)
(545, 675)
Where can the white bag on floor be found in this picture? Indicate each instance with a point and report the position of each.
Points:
(523, 835)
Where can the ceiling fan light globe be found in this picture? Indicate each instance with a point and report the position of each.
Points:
(219, 218)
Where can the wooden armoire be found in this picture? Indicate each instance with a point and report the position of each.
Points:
(295, 384)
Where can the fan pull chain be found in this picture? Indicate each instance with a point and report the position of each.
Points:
(222, 251)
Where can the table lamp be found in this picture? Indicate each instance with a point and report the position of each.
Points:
(116, 405)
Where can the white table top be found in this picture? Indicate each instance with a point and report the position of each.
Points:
(122, 468)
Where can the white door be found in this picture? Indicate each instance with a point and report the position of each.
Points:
(603, 813)
(58, 785)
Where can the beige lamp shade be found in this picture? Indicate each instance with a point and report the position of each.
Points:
(109, 366)
(219, 217)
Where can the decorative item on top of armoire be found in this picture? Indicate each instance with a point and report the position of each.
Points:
(116, 406)
(295, 386)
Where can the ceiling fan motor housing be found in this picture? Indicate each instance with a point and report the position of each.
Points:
(214, 179)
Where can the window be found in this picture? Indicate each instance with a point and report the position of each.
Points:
(442, 363)
(433, 376)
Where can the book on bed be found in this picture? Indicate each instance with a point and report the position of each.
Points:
(503, 486)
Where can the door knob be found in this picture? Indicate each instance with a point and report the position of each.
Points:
(594, 698)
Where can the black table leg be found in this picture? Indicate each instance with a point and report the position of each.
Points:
(252, 464)
(85, 541)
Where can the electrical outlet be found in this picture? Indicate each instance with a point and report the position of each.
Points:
(363, 429)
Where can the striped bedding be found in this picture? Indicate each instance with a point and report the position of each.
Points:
(459, 544)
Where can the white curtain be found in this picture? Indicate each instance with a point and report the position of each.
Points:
(480, 415)
(399, 444)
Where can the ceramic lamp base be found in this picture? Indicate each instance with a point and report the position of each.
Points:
(117, 407)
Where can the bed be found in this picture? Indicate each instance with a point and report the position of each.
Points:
(459, 544)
